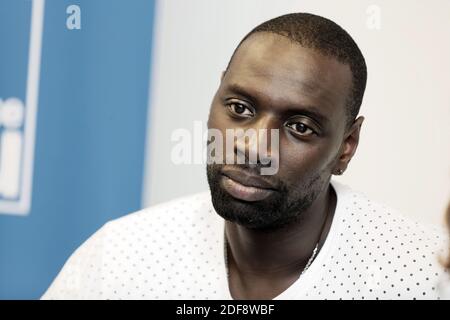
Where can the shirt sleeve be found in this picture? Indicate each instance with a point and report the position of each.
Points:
(81, 276)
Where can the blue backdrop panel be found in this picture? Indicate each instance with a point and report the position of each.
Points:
(91, 127)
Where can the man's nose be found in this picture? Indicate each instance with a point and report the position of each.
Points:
(258, 146)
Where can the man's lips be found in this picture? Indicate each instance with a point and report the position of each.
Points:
(244, 186)
(247, 179)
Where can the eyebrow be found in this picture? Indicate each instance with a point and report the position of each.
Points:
(235, 88)
(307, 110)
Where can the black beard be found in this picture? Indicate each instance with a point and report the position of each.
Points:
(275, 212)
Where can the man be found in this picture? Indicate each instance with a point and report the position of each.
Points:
(288, 235)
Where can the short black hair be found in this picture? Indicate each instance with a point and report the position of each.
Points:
(328, 38)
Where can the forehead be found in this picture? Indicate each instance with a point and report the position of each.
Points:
(284, 73)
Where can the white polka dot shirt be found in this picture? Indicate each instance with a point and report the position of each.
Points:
(175, 250)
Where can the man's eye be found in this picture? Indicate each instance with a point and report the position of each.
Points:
(240, 110)
(300, 128)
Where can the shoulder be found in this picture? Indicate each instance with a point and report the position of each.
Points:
(189, 207)
(149, 244)
(175, 219)
(400, 256)
(382, 223)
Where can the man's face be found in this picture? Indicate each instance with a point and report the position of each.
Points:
(273, 83)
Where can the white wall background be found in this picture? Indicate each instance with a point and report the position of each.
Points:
(404, 155)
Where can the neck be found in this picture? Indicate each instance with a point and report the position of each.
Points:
(283, 252)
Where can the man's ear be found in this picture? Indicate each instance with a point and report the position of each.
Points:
(349, 146)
